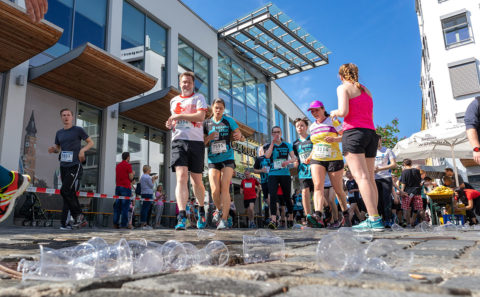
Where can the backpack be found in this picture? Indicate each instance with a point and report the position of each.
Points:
(138, 189)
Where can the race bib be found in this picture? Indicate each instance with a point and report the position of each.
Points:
(66, 156)
(219, 147)
(248, 185)
(277, 164)
(182, 124)
(304, 156)
(321, 151)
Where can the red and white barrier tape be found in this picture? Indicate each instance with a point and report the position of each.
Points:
(87, 194)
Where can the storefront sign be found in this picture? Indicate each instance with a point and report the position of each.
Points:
(243, 149)
(132, 54)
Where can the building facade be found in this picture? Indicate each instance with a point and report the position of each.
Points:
(450, 65)
(116, 66)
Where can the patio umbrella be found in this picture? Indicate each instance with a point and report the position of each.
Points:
(446, 140)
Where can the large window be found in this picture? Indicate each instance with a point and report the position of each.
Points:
(280, 121)
(245, 97)
(456, 30)
(146, 146)
(293, 131)
(144, 42)
(189, 59)
(81, 20)
(90, 120)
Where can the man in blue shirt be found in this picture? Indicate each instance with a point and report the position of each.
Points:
(472, 123)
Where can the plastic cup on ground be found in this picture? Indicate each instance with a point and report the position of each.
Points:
(263, 249)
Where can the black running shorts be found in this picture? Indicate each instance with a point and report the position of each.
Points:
(360, 141)
(188, 153)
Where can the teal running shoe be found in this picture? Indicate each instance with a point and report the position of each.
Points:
(369, 225)
(181, 224)
(202, 221)
(230, 222)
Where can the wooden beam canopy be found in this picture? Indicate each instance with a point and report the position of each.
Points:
(246, 130)
(92, 75)
(20, 39)
(152, 109)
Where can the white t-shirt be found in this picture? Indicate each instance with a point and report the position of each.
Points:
(187, 130)
(383, 159)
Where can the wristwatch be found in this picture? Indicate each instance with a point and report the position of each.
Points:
(476, 149)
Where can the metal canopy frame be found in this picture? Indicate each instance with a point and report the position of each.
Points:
(274, 43)
(132, 104)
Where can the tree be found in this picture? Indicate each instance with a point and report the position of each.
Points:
(388, 133)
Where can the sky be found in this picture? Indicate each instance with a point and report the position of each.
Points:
(380, 36)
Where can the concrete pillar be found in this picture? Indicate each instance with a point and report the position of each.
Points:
(172, 58)
(114, 32)
(11, 126)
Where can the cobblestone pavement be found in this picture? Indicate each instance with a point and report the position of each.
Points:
(445, 264)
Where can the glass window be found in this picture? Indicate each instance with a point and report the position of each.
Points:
(60, 12)
(133, 27)
(293, 131)
(263, 125)
(239, 112)
(455, 29)
(252, 118)
(262, 99)
(280, 121)
(251, 91)
(90, 120)
(156, 37)
(185, 56)
(224, 73)
(132, 137)
(228, 101)
(156, 154)
(90, 22)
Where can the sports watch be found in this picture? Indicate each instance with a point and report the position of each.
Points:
(476, 149)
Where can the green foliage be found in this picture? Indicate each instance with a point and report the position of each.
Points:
(389, 133)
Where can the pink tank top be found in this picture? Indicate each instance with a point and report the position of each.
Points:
(360, 113)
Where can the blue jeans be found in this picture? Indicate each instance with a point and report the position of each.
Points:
(145, 208)
(121, 206)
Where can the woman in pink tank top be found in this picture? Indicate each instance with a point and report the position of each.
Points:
(359, 141)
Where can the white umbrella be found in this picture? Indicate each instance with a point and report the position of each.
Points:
(446, 140)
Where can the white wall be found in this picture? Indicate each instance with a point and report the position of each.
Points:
(440, 57)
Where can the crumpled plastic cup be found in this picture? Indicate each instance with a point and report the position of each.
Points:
(217, 253)
(264, 233)
(263, 248)
(397, 228)
(363, 236)
(174, 255)
(114, 260)
(445, 228)
(424, 227)
(146, 256)
(202, 234)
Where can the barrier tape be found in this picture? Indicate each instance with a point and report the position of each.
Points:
(88, 194)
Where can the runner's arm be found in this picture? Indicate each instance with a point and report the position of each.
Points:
(342, 110)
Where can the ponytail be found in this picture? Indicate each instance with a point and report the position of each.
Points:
(349, 72)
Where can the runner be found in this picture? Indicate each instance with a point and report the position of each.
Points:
(262, 167)
(68, 144)
(188, 150)
(302, 147)
(248, 188)
(384, 163)
(326, 158)
(278, 152)
(218, 131)
(359, 142)
(12, 185)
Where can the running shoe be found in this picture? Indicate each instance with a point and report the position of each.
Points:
(230, 222)
(202, 221)
(252, 225)
(338, 223)
(281, 226)
(67, 227)
(80, 221)
(369, 225)
(10, 192)
(346, 218)
(272, 225)
(217, 216)
(181, 224)
(327, 215)
(222, 225)
(147, 227)
(316, 221)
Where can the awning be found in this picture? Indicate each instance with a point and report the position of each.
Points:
(152, 109)
(274, 43)
(92, 75)
(20, 39)
(246, 130)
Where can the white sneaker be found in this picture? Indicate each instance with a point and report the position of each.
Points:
(217, 216)
(147, 227)
(222, 225)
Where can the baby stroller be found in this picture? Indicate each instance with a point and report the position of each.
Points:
(33, 212)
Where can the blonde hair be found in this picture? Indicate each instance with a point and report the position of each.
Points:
(145, 168)
(349, 72)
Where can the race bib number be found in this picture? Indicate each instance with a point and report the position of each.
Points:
(277, 164)
(248, 185)
(66, 156)
(219, 147)
(304, 156)
(321, 151)
(182, 124)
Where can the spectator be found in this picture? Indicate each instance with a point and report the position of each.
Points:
(124, 177)
(470, 199)
(159, 205)
(357, 207)
(384, 163)
(411, 192)
(450, 173)
(146, 182)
